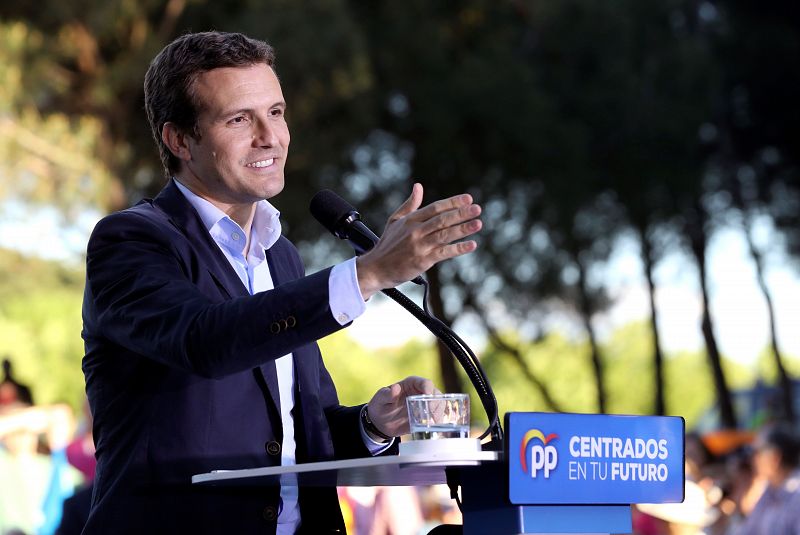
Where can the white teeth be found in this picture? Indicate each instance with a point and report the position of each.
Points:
(262, 163)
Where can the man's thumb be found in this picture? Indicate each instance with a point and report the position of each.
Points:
(413, 202)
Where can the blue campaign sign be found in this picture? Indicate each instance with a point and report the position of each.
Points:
(594, 458)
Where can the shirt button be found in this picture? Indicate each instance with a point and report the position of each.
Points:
(273, 447)
(235, 236)
(270, 513)
(343, 318)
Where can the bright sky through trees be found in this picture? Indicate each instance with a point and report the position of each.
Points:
(736, 299)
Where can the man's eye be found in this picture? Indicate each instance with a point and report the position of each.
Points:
(239, 119)
(277, 112)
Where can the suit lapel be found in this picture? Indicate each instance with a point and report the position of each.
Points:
(184, 217)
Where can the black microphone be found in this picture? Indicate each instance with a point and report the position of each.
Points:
(343, 221)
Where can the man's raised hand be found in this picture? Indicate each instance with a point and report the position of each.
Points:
(417, 238)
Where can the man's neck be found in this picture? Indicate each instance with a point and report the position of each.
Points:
(242, 214)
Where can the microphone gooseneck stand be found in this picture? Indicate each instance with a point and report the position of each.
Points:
(464, 355)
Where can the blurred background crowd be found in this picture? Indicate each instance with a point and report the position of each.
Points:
(46, 463)
(737, 483)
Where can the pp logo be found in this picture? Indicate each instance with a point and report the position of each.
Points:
(544, 457)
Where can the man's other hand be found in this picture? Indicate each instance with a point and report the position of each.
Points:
(387, 408)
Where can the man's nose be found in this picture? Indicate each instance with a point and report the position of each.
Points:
(265, 134)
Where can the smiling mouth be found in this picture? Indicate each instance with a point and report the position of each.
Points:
(261, 163)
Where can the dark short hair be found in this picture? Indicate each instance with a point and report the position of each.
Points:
(783, 438)
(169, 82)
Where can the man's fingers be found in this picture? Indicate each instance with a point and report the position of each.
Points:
(426, 387)
(449, 227)
(409, 386)
(453, 250)
(395, 390)
(452, 234)
(414, 385)
(439, 207)
(388, 394)
(451, 218)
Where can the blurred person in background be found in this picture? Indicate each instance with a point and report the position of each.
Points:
(80, 451)
(776, 453)
(381, 510)
(80, 454)
(741, 491)
(698, 458)
(438, 508)
(11, 390)
(33, 485)
(397, 511)
(693, 516)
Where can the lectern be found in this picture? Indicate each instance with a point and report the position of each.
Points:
(558, 473)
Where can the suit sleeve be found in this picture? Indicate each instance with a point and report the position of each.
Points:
(148, 291)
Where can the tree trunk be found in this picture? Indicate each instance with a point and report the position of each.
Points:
(698, 239)
(516, 354)
(787, 396)
(447, 363)
(586, 310)
(648, 262)
(513, 351)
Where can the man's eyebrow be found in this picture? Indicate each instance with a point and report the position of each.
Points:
(235, 111)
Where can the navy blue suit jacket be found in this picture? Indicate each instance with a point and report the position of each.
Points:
(181, 377)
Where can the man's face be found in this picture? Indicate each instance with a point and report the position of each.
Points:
(240, 152)
(766, 462)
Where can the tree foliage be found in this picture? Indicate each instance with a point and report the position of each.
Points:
(40, 326)
(46, 157)
(559, 360)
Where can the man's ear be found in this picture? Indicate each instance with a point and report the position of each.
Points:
(176, 141)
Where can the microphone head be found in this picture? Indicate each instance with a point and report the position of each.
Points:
(330, 210)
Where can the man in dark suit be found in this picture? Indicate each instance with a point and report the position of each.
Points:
(200, 324)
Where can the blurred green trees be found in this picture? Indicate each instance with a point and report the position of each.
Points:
(40, 325)
(561, 364)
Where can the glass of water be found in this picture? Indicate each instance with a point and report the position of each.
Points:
(434, 416)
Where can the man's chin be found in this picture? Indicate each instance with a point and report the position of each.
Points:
(274, 187)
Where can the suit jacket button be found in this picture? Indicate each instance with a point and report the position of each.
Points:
(275, 327)
(270, 513)
(273, 447)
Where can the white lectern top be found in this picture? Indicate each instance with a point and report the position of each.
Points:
(391, 470)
